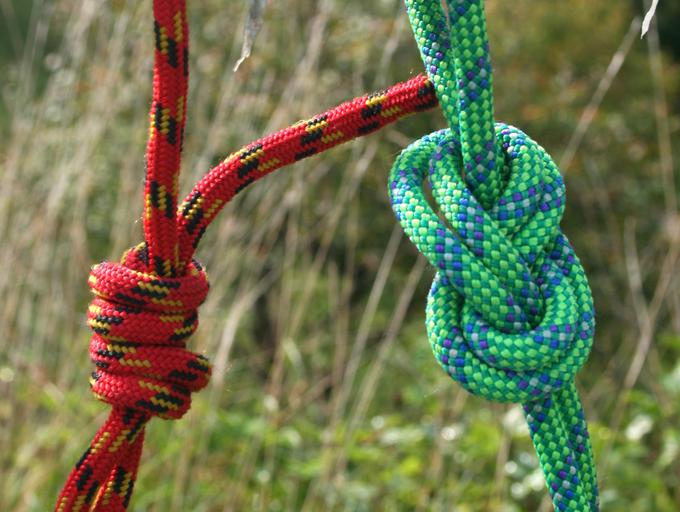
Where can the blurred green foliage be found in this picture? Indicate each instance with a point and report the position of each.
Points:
(326, 396)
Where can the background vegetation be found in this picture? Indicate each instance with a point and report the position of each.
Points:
(325, 394)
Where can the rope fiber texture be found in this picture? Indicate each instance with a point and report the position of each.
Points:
(510, 314)
(145, 306)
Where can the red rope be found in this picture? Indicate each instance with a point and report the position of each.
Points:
(355, 118)
(145, 307)
(166, 134)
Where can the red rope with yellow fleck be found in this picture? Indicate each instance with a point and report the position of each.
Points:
(145, 306)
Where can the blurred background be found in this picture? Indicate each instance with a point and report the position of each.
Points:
(325, 394)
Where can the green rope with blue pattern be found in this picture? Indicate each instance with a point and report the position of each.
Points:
(510, 313)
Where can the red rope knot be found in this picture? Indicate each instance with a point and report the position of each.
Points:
(140, 323)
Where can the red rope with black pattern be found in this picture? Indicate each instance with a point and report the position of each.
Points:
(145, 306)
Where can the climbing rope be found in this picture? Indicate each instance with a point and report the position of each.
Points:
(511, 329)
(510, 313)
(145, 306)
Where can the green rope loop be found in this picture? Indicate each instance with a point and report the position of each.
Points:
(510, 313)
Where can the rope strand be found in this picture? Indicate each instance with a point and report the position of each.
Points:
(350, 120)
(166, 134)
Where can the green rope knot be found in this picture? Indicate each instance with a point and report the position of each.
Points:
(510, 313)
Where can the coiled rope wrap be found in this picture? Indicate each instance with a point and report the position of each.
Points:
(510, 313)
(140, 323)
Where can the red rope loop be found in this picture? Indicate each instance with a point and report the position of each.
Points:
(140, 323)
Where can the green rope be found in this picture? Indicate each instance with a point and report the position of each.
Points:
(510, 313)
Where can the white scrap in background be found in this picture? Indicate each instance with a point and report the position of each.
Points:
(639, 427)
(648, 18)
(252, 27)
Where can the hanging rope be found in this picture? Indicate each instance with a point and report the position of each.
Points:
(509, 314)
(145, 306)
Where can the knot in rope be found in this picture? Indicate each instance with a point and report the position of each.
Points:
(509, 314)
(140, 323)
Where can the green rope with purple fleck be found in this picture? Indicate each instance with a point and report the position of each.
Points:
(510, 313)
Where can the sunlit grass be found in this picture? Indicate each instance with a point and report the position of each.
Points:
(325, 394)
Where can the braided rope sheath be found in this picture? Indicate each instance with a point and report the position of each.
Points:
(510, 313)
(166, 134)
(145, 307)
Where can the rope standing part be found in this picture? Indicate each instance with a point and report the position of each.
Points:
(510, 314)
